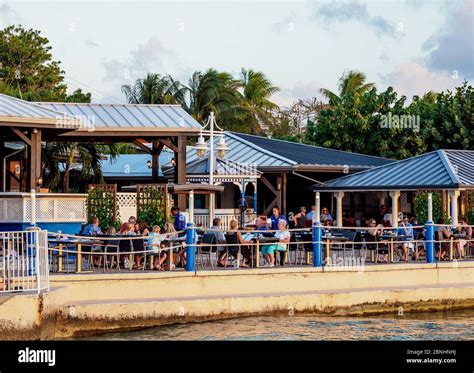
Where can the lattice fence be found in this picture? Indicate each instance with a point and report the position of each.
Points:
(102, 203)
(152, 203)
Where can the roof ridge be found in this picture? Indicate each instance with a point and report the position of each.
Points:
(101, 104)
(373, 169)
(235, 136)
(316, 146)
(449, 166)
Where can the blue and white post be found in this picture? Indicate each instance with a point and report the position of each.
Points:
(32, 233)
(191, 237)
(317, 235)
(430, 257)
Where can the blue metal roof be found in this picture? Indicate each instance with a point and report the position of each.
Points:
(304, 154)
(221, 167)
(16, 108)
(132, 165)
(128, 116)
(441, 169)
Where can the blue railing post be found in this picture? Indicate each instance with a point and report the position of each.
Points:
(190, 247)
(317, 244)
(430, 257)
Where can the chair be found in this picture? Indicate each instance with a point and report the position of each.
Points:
(111, 246)
(350, 243)
(303, 246)
(207, 239)
(372, 244)
(233, 248)
(65, 256)
(138, 245)
(125, 246)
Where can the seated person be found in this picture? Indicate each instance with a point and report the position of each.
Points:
(372, 236)
(131, 220)
(269, 250)
(154, 244)
(93, 229)
(405, 229)
(170, 233)
(326, 218)
(220, 239)
(463, 228)
(244, 249)
(442, 234)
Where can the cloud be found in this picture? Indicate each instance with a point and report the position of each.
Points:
(451, 48)
(285, 25)
(300, 90)
(341, 12)
(92, 43)
(150, 57)
(413, 78)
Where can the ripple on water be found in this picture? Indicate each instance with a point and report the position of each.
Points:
(434, 326)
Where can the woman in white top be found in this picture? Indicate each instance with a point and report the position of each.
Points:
(284, 238)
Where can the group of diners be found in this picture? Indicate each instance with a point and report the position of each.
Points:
(157, 241)
(411, 238)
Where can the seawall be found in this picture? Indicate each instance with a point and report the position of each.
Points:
(85, 304)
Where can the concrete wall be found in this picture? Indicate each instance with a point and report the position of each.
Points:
(91, 303)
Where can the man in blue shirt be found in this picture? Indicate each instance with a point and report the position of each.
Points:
(275, 218)
(179, 219)
(405, 229)
(93, 228)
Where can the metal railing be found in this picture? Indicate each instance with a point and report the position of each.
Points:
(24, 264)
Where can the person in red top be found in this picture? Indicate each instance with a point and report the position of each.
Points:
(131, 220)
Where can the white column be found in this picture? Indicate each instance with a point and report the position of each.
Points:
(454, 194)
(191, 206)
(212, 204)
(317, 203)
(33, 207)
(395, 196)
(339, 196)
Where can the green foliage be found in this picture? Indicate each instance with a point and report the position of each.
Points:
(470, 216)
(421, 207)
(153, 210)
(101, 204)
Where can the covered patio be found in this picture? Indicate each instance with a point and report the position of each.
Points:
(448, 172)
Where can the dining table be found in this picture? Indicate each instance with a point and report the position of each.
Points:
(262, 240)
(332, 238)
(77, 243)
(391, 238)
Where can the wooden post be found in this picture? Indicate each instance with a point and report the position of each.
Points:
(283, 202)
(181, 169)
(35, 159)
(157, 147)
(2, 169)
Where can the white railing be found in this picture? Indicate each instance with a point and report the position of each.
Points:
(201, 217)
(24, 263)
(127, 205)
(50, 207)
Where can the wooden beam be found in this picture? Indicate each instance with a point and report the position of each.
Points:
(21, 135)
(283, 198)
(2, 155)
(275, 192)
(142, 146)
(267, 183)
(169, 144)
(157, 147)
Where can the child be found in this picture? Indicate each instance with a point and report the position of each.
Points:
(154, 243)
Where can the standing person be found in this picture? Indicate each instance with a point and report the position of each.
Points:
(179, 219)
(405, 229)
(300, 218)
(379, 218)
(311, 215)
(275, 217)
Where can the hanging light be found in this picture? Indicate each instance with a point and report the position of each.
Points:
(148, 163)
(201, 147)
(222, 147)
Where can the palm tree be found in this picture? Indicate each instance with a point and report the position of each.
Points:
(155, 89)
(214, 91)
(256, 92)
(88, 155)
(350, 83)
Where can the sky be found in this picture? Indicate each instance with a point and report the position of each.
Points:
(302, 46)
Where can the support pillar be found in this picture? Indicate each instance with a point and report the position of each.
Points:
(180, 156)
(339, 196)
(395, 195)
(454, 196)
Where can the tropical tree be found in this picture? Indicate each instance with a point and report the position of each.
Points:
(257, 90)
(352, 83)
(155, 89)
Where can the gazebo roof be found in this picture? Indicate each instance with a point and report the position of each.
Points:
(440, 169)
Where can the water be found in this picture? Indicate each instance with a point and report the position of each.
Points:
(457, 325)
